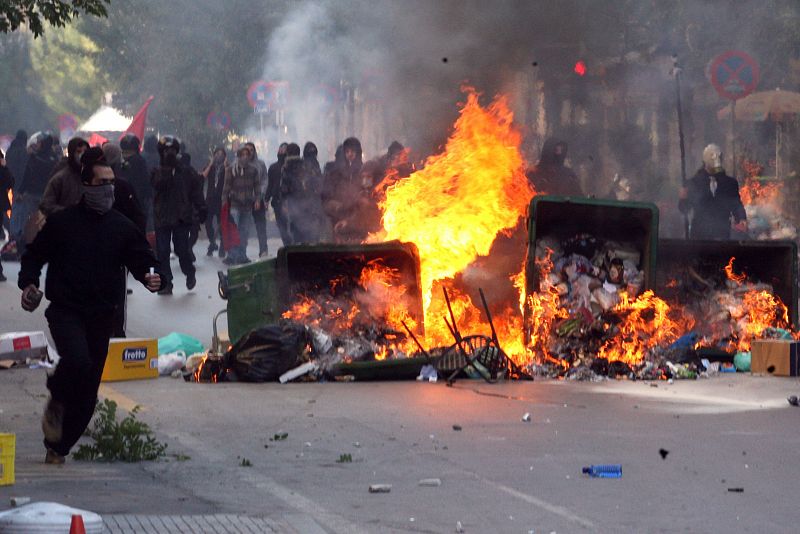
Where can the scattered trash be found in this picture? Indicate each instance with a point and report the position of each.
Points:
(663, 453)
(345, 459)
(380, 488)
(604, 471)
(457, 428)
(526, 418)
(297, 372)
(175, 341)
(244, 462)
(742, 361)
(736, 490)
(430, 482)
(19, 501)
(793, 400)
(279, 437)
(171, 362)
(428, 373)
(459, 527)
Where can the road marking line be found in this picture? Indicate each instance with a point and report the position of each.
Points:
(544, 505)
(123, 401)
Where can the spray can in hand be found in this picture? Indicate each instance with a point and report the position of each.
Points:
(604, 471)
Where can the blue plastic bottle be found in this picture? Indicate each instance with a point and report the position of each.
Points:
(604, 471)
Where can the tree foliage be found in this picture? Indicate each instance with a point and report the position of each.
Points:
(36, 13)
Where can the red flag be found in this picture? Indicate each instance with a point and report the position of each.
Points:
(137, 124)
(97, 140)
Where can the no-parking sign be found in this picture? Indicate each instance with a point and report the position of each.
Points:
(734, 74)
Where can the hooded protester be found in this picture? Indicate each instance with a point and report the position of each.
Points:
(85, 247)
(260, 214)
(274, 194)
(177, 196)
(363, 215)
(17, 155)
(125, 200)
(242, 192)
(713, 198)
(65, 189)
(342, 184)
(301, 182)
(6, 185)
(30, 188)
(551, 176)
(134, 170)
(214, 173)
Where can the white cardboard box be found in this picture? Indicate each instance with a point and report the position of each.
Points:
(21, 345)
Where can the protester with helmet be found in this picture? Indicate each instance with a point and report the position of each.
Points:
(177, 195)
(30, 188)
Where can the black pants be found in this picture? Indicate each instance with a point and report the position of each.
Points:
(282, 220)
(260, 222)
(211, 230)
(179, 235)
(82, 343)
(118, 329)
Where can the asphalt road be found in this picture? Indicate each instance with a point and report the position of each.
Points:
(498, 473)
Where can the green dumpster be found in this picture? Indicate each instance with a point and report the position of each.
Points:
(252, 294)
(622, 221)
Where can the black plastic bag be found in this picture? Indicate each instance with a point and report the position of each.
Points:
(265, 353)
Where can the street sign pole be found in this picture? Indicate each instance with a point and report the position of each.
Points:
(733, 138)
(676, 70)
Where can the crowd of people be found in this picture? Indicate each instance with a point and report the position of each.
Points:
(162, 193)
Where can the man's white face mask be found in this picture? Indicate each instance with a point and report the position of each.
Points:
(712, 159)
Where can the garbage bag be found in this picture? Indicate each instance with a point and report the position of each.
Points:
(175, 341)
(265, 353)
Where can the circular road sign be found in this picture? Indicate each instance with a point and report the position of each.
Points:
(734, 74)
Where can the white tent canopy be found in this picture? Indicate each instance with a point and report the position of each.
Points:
(106, 119)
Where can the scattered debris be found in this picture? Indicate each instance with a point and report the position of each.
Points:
(19, 501)
(793, 400)
(380, 488)
(526, 418)
(457, 428)
(430, 482)
(736, 490)
(297, 372)
(459, 527)
(245, 462)
(279, 437)
(604, 471)
(663, 453)
(345, 459)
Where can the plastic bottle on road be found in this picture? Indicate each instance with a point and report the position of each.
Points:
(604, 471)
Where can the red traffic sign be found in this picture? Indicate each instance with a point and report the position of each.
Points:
(734, 74)
(218, 121)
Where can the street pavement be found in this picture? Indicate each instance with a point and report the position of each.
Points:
(498, 473)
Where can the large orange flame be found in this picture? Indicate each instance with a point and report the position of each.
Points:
(454, 208)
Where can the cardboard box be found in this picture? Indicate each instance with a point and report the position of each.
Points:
(131, 359)
(21, 345)
(777, 357)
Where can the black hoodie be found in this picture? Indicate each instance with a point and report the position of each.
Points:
(550, 176)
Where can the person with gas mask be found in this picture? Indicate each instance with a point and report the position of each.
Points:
(65, 189)
(85, 247)
(550, 176)
(712, 197)
(177, 196)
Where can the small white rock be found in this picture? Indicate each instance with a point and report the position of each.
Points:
(526, 417)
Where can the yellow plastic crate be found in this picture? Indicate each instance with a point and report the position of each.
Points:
(7, 452)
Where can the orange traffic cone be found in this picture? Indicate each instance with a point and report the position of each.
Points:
(76, 527)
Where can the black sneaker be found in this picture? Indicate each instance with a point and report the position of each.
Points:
(191, 281)
(166, 290)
